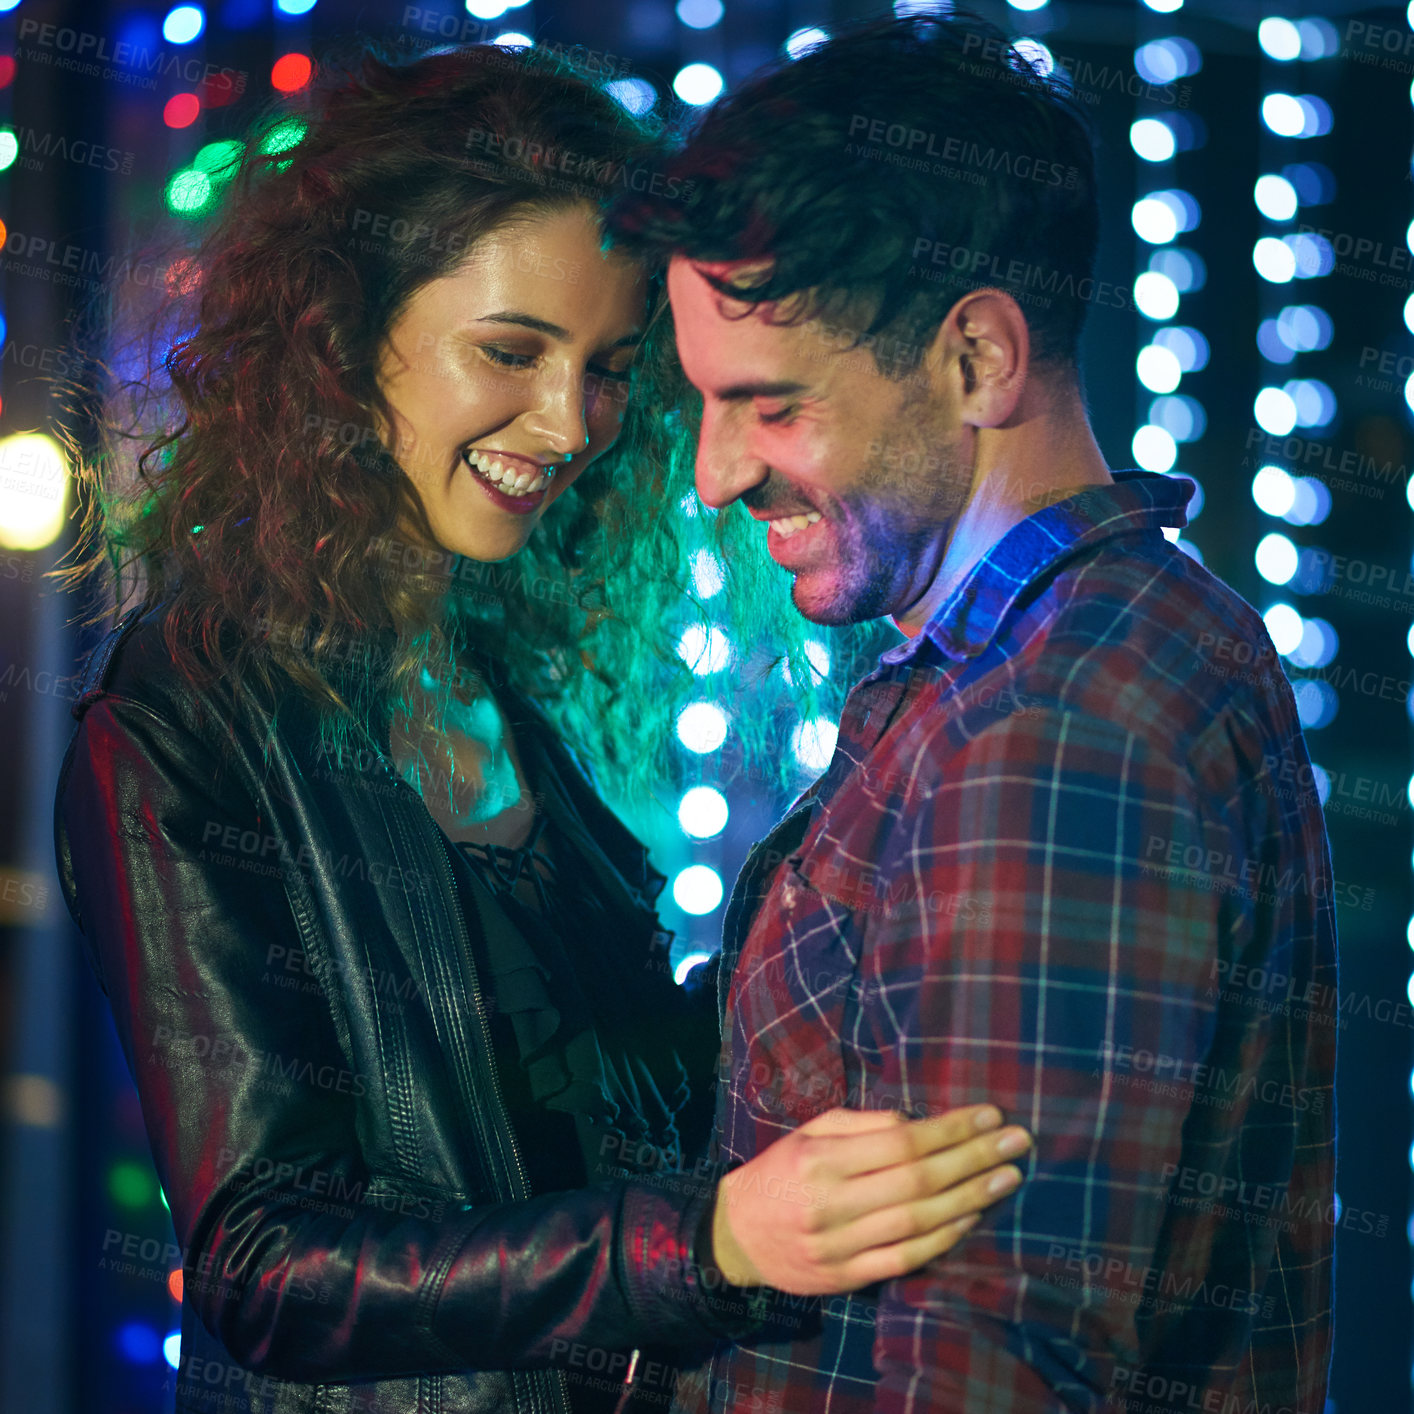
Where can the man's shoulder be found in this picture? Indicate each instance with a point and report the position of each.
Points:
(1147, 638)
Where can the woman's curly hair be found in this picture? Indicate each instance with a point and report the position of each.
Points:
(237, 480)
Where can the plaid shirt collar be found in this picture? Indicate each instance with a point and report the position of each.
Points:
(969, 618)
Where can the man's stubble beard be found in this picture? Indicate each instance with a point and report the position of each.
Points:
(907, 500)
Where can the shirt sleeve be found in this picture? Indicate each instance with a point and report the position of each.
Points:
(1029, 930)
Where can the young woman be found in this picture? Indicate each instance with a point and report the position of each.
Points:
(418, 1083)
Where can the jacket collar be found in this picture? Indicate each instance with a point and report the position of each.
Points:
(968, 620)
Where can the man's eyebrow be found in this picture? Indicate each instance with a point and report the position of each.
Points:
(544, 326)
(739, 392)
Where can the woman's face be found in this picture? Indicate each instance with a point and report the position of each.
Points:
(508, 377)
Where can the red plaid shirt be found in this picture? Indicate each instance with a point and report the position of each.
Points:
(1057, 863)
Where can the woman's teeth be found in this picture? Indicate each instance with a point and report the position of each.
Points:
(505, 477)
(788, 525)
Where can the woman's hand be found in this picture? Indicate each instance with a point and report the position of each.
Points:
(858, 1196)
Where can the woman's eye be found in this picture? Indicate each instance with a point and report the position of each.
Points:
(619, 375)
(503, 358)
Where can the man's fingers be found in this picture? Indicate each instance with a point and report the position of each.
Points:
(923, 1178)
(884, 1226)
(856, 1149)
(900, 1258)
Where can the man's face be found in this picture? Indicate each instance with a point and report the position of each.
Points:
(859, 478)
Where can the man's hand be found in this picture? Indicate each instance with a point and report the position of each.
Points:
(859, 1196)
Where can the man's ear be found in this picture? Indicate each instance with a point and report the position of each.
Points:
(980, 356)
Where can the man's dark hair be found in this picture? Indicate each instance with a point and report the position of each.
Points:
(887, 172)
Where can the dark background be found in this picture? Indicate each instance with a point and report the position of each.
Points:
(77, 1189)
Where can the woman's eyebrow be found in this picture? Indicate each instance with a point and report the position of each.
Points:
(544, 326)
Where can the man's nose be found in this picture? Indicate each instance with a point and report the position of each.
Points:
(725, 468)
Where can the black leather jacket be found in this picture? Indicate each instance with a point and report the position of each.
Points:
(330, 1135)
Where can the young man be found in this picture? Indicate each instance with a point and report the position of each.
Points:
(1051, 864)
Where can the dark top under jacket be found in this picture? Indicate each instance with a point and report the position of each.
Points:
(291, 968)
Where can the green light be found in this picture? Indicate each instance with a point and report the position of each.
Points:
(188, 192)
(163, 1197)
(195, 530)
(284, 135)
(219, 160)
(130, 1185)
(9, 148)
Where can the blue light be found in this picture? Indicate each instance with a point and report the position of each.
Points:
(1184, 267)
(1319, 39)
(293, 7)
(1313, 400)
(1040, 59)
(1028, 5)
(1312, 254)
(1305, 327)
(183, 24)
(1312, 503)
(1182, 417)
(139, 1343)
(700, 14)
(802, 41)
(1187, 345)
(637, 96)
(1271, 345)
(1316, 703)
(1161, 61)
(1314, 182)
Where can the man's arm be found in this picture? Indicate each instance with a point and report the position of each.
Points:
(1031, 926)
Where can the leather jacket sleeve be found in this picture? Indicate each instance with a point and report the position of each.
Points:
(372, 1277)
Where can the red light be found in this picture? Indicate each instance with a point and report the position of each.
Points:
(182, 110)
(7, 70)
(174, 1284)
(219, 89)
(290, 72)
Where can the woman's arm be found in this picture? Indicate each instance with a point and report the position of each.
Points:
(250, 1110)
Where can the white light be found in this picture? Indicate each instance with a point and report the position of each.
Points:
(1153, 221)
(706, 573)
(1409, 641)
(802, 41)
(1156, 295)
(1276, 558)
(1274, 260)
(1158, 369)
(1036, 54)
(486, 9)
(1152, 139)
(1028, 4)
(1409, 398)
(1409, 314)
(172, 1350)
(637, 96)
(1285, 626)
(1164, 7)
(697, 889)
(818, 656)
(812, 743)
(697, 84)
(702, 727)
(183, 24)
(702, 812)
(700, 14)
(1154, 449)
(1280, 39)
(513, 39)
(1275, 198)
(1275, 412)
(1274, 491)
(705, 650)
(1283, 114)
(34, 483)
(687, 964)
